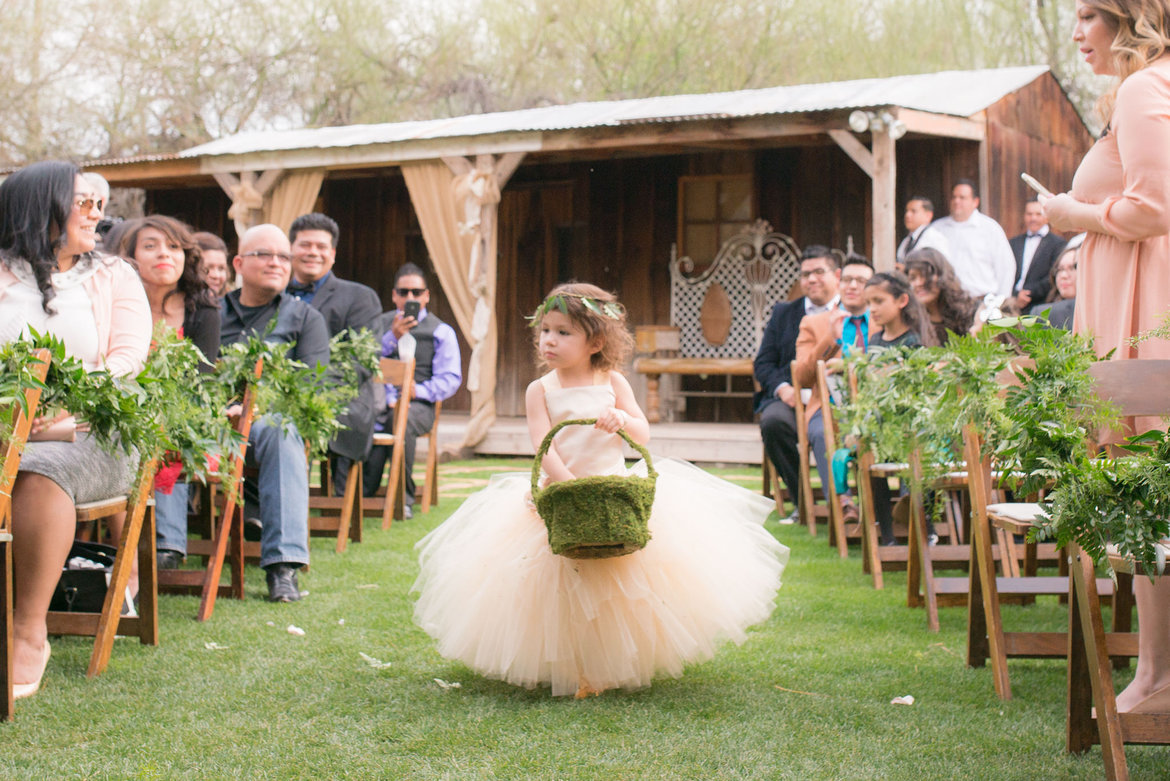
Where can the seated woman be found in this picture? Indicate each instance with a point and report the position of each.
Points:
(1058, 309)
(213, 263)
(948, 307)
(167, 258)
(52, 280)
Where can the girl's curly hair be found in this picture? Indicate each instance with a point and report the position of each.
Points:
(596, 312)
(956, 307)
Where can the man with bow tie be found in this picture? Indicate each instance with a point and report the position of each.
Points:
(1035, 249)
(343, 304)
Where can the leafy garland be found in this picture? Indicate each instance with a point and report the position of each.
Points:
(312, 398)
(611, 309)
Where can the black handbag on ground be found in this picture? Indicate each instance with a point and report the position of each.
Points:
(85, 579)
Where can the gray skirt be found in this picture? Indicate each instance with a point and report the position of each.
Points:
(83, 468)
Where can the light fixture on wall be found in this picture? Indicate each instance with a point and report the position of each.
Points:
(861, 121)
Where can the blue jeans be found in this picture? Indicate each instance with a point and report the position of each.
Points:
(170, 512)
(283, 492)
(282, 489)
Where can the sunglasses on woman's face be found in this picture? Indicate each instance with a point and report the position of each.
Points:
(406, 292)
(86, 205)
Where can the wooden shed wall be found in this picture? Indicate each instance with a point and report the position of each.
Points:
(1035, 129)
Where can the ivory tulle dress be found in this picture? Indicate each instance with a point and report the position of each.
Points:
(496, 597)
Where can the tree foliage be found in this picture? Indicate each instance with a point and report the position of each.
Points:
(98, 79)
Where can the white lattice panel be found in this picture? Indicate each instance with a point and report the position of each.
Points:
(756, 269)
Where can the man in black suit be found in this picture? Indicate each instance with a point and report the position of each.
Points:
(1035, 251)
(343, 304)
(820, 277)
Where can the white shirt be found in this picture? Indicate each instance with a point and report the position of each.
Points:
(72, 321)
(924, 236)
(980, 254)
(1031, 244)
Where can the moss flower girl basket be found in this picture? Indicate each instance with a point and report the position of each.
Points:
(596, 517)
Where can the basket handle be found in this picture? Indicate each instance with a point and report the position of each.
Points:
(548, 438)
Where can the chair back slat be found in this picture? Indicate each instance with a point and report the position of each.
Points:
(21, 427)
(396, 372)
(1135, 386)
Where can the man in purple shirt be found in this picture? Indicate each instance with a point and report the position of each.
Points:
(437, 374)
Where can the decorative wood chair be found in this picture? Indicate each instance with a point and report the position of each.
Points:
(226, 525)
(1135, 387)
(392, 505)
(138, 539)
(810, 511)
(22, 418)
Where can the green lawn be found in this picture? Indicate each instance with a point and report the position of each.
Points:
(807, 696)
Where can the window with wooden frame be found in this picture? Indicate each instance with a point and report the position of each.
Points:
(712, 209)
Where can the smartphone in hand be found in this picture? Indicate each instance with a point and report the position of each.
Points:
(1035, 185)
(411, 309)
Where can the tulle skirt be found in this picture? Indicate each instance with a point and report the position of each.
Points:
(495, 596)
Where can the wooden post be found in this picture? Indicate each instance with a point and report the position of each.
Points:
(885, 243)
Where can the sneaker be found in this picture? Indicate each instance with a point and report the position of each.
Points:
(790, 519)
(282, 583)
(932, 539)
(168, 559)
(253, 529)
(407, 513)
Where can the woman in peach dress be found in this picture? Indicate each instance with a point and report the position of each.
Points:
(1121, 197)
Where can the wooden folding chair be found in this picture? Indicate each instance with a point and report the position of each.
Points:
(336, 516)
(986, 638)
(430, 492)
(840, 535)
(810, 511)
(1135, 387)
(22, 418)
(138, 539)
(228, 526)
(392, 505)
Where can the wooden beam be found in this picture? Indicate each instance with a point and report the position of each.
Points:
(942, 125)
(885, 210)
(855, 149)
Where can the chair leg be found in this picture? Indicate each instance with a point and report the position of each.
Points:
(430, 494)
(350, 521)
(395, 488)
(7, 703)
(1094, 662)
(148, 581)
(111, 614)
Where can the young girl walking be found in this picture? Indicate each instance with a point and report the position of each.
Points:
(894, 309)
(495, 596)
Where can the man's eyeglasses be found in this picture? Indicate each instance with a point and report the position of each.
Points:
(814, 272)
(264, 254)
(854, 280)
(407, 292)
(86, 205)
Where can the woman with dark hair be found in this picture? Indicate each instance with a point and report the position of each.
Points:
(167, 258)
(948, 307)
(213, 265)
(53, 281)
(1060, 305)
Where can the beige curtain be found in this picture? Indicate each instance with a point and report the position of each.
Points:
(456, 207)
(295, 194)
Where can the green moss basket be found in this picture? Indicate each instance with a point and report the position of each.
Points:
(597, 517)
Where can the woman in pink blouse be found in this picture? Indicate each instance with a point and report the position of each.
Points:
(52, 280)
(1121, 197)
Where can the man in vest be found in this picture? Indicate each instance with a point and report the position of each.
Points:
(437, 374)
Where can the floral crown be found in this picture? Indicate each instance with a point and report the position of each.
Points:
(611, 309)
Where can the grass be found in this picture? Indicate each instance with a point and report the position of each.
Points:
(807, 696)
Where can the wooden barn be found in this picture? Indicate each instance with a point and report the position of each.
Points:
(609, 192)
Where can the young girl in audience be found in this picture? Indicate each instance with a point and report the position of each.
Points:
(495, 596)
(897, 312)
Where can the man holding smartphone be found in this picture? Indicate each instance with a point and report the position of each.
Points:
(437, 373)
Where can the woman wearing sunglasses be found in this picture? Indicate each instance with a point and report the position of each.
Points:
(53, 281)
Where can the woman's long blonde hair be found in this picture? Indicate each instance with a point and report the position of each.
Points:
(1143, 35)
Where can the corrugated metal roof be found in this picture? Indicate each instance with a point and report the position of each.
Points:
(958, 93)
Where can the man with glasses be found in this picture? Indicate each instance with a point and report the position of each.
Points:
(437, 373)
(838, 333)
(276, 505)
(343, 304)
(776, 399)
